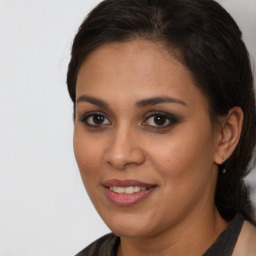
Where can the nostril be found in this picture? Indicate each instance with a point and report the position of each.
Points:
(123, 150)
(125, 158)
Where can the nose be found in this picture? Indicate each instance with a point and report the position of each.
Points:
(124, 150)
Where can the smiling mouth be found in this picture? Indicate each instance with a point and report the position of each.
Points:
(127, 192)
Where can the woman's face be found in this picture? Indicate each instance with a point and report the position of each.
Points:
(143, 139)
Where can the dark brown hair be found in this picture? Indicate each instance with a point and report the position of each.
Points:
(209, 44)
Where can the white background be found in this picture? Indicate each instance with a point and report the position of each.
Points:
(44, 210)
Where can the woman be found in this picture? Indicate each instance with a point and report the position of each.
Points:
(164, 114)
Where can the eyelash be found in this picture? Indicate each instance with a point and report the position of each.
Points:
(167, 117)
(172, 120)
(84, 119)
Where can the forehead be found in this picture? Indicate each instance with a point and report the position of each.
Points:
(138, 68)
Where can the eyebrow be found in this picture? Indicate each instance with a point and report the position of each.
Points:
(139, 104)
(92, 100)
(159, 100)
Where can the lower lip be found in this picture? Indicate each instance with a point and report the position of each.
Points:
(127, 199)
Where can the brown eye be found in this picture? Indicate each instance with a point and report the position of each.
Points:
(98, 119)
(160, 120)
(95, 119)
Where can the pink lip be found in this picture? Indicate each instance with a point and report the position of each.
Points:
(127, 199)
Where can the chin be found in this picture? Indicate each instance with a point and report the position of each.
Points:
(132, 232)
(130, 225)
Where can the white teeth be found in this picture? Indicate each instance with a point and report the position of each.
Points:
(119, 190)
(137, 189)
(127, 190)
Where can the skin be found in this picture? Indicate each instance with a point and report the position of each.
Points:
(180, 157)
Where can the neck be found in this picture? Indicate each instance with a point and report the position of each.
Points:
(193, 236)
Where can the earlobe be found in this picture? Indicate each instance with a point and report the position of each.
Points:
(230, 132)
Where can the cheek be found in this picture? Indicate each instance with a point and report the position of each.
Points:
(184, 164)
(88, 156)
(187, 155)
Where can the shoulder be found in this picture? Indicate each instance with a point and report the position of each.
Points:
(104, 246)
(246, 243)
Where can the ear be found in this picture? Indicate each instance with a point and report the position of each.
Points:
(229, 134)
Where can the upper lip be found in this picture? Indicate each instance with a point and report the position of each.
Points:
(126, 183)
